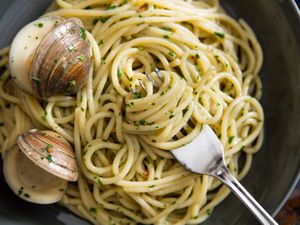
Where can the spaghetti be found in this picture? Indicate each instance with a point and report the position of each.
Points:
(127, 117)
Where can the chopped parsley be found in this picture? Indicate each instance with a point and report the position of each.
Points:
(166, 28)
(142, 122)
(137, 94)
(27, 195)
(119, 73)
(230, 139)
(71, 48)
(208, 212)
(20, 191)
(82, 33)
(49, 158)
(166, 36)
(171, 53)
(110, 7)
(197, 56)
(72, 83)
(80, 58)
(124, 2)
(152, 186)
(101, 42)
(185, 110)
(99, 181)
(40, 25)
(93, 210)
(103, 19)
(146, 159)
(162, 93)
(220, 35)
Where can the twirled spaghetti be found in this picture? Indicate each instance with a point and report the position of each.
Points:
(127, 117)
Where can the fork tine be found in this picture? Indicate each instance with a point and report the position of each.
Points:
(142, 85)
(159, 74)
(153, 82)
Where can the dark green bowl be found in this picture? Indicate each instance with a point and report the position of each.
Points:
(275, 168)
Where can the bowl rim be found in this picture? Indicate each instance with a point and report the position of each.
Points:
(290, 7)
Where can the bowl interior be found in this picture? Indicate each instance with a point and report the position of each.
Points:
(275, 168)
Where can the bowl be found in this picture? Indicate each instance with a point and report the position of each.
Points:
(275, 168)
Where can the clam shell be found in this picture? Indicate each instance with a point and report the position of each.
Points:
(61, 63)
(51, 152)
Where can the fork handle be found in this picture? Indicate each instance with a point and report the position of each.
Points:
(224, 175)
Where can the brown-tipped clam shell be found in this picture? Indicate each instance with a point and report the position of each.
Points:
(51, 152)
(61, 63)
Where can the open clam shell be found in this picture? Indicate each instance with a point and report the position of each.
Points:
(61, 61)
(31, 182)
(51, 152)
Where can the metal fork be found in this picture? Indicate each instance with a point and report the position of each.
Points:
(205, 155)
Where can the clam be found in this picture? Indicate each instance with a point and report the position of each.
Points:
(50, 56)
(39, 167)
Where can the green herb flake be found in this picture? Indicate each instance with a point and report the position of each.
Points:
(93, 210)
(119, 73)
(162, 93)
(99, 181)
(103, 19)
(140, 16)
(137, 94)
(171, 116)
(72, 83)
(82, 109)
(220, 35)
(154, 141)
(146, 159)
(185, 110)
(20, 191)
(197, 56)
(171, 53)
(124, 2)
(49, 158)
(39, 25)
(208, 212)
(140, 48)
(83, 33)
(142, 122)
(195, 217)
(166, 28)
(26, 195)
(100, 42)
(110, 7)
(71, 48)
(152, 186)
(166, 36)
(80, 58)
(36, 80)
(230, 139)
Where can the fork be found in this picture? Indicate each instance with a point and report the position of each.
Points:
(205, 155)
